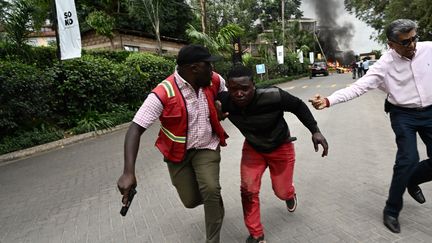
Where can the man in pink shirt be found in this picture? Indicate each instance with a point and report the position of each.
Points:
(189, 137)
(405, 74)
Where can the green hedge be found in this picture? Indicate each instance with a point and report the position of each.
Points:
(84, 84)
(25, 96)
(157, 67)
(38, 56)
(43, 99)
(114, 56)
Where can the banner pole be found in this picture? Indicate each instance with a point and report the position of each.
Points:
(55, 27)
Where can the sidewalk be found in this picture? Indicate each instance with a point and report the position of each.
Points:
(16, 155)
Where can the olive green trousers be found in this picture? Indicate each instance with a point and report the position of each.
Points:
(196, 179)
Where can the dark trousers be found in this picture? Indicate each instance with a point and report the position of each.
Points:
(408, 171)
(197, 182)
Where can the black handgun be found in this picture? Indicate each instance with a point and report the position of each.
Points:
(125, 208)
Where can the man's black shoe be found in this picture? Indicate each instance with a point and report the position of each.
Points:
(392, 223)
(251, 239)
(291, 204)
(417, 194)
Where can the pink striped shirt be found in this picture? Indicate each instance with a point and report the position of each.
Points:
(200, 134)
(408, 83)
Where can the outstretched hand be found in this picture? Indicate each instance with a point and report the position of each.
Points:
(221, 115)
(318, 102)
(318, 138)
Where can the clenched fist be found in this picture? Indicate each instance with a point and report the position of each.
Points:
(318, 102)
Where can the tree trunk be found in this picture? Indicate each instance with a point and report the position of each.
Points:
(203, 15)
(159, 50)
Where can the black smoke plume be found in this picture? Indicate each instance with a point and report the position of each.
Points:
(335, 37)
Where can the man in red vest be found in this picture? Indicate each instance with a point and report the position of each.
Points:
(188, 140)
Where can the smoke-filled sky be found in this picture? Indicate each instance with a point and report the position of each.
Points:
(350, 33)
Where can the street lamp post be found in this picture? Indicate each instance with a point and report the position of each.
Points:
(283, 22)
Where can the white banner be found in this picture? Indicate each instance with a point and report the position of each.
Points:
(280, 54)
(311, 57)
(68, 29)
(300, 55)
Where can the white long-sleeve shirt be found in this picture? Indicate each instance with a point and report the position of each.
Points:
(408, 83)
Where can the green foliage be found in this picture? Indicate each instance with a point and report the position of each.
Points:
(38, 56)
(135, 85)
(378, 14)
(102, 23)
(246, 14)
(86, 94)
(221, 43)
(112, 55)
(81, 85)
(4, 6)
(24, 97)
(174, 15)
(26, 139)
(157, 67)
(92, 122)
(17, 23)
(291, 67)
(377, 53)
(222, 67)
(122, 113)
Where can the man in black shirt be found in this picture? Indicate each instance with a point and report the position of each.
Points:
(258, 114)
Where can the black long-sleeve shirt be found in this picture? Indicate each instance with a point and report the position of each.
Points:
(262, 122)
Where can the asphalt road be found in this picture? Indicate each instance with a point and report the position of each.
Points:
(70, 195)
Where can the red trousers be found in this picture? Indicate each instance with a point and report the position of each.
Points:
(253, 164)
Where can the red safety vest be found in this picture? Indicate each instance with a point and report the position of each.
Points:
(171, 140)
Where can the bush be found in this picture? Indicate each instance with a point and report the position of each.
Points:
(26, 139)
(82, 85)
(157, 67)
(134, 86)
(114, 56)
(25, 96)
(100, 90)
(43, 56)
(222, 67)
(38, 56)
(94, 121)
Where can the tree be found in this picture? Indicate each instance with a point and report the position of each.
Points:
(19, 19)
(220, 43)
(298, 38)
(254, 16)
(203, 15)
(151, 9)
(379, 13)
(102, 23)
(175, 16)
(116, 10)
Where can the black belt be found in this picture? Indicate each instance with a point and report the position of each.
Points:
(390, 105)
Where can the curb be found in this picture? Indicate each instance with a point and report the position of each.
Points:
(13, 156)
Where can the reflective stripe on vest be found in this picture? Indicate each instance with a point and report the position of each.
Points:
(177, 139)
(168, 88)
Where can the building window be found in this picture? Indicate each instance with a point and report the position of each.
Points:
(131, 48)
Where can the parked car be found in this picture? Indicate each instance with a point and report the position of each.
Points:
(319, 68)
(371, 62)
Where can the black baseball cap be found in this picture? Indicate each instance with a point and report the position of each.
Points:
(195, 53)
